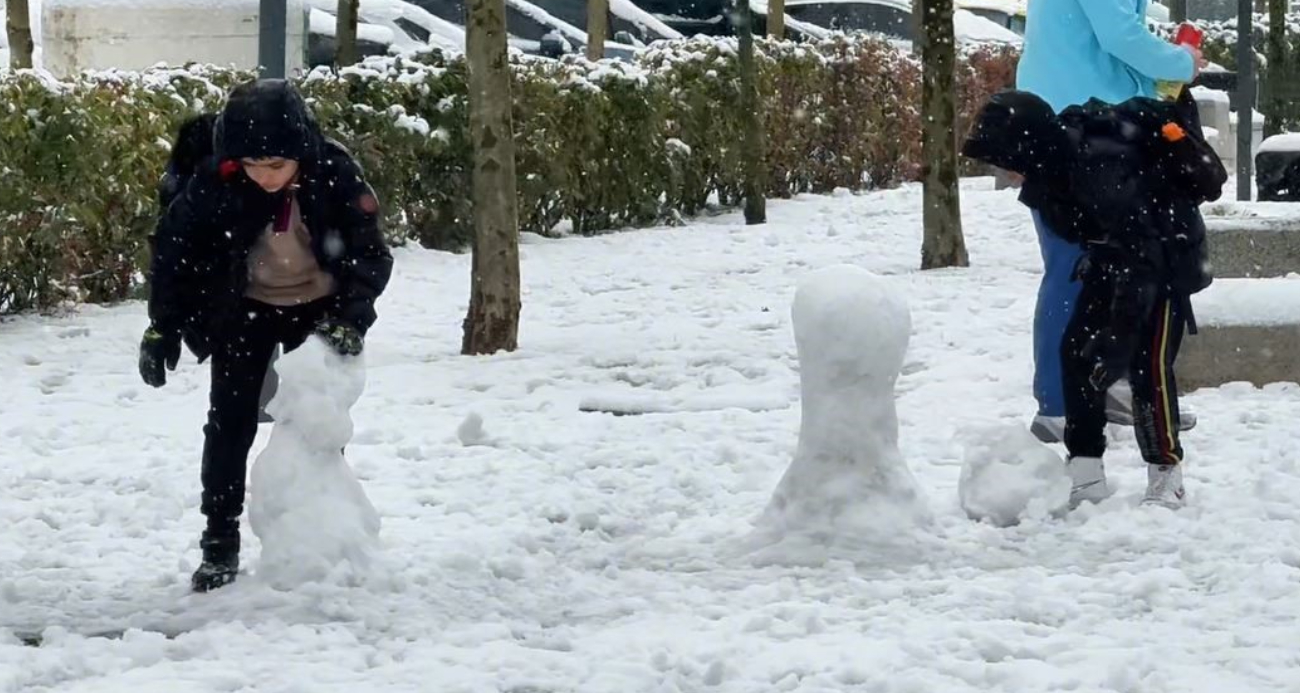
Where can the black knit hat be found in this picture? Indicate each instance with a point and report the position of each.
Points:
(266, 118)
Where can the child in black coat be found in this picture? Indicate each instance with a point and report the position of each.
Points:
(271, 236)
(1126, 181)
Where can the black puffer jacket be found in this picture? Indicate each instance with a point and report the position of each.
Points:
(199, 269)
(1126, 181)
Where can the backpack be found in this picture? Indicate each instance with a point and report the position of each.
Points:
(193, 146)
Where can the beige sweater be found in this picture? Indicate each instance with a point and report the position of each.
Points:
(282, 269)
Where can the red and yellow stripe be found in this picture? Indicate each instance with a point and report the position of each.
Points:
(1166, 427)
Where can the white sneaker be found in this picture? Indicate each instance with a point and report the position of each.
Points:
(1049, 429)
(1165, 486)
(1087, 481)
(1119, 407)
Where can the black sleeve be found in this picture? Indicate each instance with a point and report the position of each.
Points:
(367, 263)
(183, 256)
(1196, 169)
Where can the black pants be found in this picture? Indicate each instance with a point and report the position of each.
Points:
(1157, 324)
(239, 364)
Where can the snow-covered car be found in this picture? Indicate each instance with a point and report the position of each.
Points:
(383, 26)
(635, 25)
(892, 19)
(1012, 14)
(535, 29)
(1008, 14)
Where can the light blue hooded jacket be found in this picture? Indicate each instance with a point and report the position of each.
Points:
(1076, 50)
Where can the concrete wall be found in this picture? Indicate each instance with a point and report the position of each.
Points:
(1253, 248)
(96, 36)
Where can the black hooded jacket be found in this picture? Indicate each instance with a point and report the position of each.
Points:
(213, 215)
(1125, 180)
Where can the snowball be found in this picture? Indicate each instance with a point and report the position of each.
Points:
(848, 480)
(308, 509)
(1008, 476)
(470, 432)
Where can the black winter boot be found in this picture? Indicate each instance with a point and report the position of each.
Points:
(220, 557)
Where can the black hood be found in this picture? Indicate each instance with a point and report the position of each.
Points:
(1019, 132)
(266, 118)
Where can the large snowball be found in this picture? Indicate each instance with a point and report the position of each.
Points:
(1008, 476)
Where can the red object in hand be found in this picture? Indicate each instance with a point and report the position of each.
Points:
(1189, 35)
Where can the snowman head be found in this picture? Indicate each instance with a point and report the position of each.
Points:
(317, 390)
(850, 326)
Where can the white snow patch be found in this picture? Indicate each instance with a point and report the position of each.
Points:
(1207, 94)
(1008, 475)
(1272, 301)
(1289, 142)
(848, 482)
(412, 123)
(628, 10)
(307, 508)
(326, 24)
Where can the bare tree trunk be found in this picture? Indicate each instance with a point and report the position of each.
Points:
(776, 20)
(18, 24)
(1275, 85)
(753, 140)
(492, 323)
(944, 245)
(597, 28)
(346, 32)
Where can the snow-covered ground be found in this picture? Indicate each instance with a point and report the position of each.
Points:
(546, 549)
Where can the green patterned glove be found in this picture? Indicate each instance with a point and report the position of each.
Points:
(345, 339)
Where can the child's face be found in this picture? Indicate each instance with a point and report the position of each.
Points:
(273, 173)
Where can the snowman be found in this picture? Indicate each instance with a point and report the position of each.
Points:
(307, 508)
(848, 480)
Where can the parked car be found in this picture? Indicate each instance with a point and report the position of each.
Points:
(626, 19)
(537, 30)
(892, 19)
(384, 26)
(1008, 14)
(1011, 14)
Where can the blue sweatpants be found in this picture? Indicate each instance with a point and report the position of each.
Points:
(1057, 296)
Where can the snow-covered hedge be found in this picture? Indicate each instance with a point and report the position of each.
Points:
(600, 146)
(79, 165)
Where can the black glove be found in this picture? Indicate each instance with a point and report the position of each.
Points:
(158, 350)
(343, 338)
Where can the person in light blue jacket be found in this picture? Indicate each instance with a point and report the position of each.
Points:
(1076, 50)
